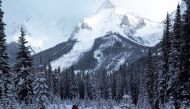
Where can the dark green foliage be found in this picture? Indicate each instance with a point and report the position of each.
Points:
(183, 87)
(40, 87)
(6, 77)
(134, 85)
(151, 82)
(24, 71)
(166, 53)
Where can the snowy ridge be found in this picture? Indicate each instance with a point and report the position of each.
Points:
(110, 19)
(106, 5)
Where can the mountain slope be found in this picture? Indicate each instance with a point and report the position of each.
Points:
(108, 39)
(110, 52)
(110, 19)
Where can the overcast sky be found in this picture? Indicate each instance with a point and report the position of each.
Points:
(153, 9)
(75, 10)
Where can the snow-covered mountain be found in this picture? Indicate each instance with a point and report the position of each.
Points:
(116, 25)
(106, 40)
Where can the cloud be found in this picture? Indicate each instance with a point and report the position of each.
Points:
(152, 9)
(72, 11)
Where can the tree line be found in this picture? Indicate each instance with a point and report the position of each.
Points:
(169, 83)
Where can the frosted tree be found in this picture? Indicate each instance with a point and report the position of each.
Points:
(151, 82)
(80, 85)
(113, 85)
(65, 91)
(119, 91)
(61, 85)
(183, 87)
(72, 84)
(41, 89)
(24, 71)
(166, 49)
(88, 86)
(49, 78)
(6, 76)
(93, 84)
(134, 82)
(176, 49)
(56, 88)
(103, 84)
(70, 89)
(110, 101)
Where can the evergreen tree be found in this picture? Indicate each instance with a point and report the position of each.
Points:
(6, 77)
(166, 49)
(119, 91)
(81, 85)
(49, 78)
(103, 84)
(23, 69)
(41, 89)
(183, 87)
(65, 83)
(134, 82)
(93, 84)
(113, 85)
(151, 82)
(89, 86)
(55, 81)
(73, 89)
(176, 49)
(61, 85)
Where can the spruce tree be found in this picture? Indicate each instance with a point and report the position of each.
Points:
(166, 52)
(65, 83)
(176, 49)
(119, 91)
(73, 89)
(81, 85)
(24, 71)
(134, 82)
(183, 88)
(6, 76)
(113, 85)
(55, 83)
(41, 89)
(88, 86)
(49, 78)
(93, 84)
(151, 82)
(103, 84)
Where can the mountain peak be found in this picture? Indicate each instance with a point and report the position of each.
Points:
(107, 5)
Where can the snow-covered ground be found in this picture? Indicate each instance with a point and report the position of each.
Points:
(62, 106)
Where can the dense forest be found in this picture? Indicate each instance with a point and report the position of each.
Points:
(161, 80)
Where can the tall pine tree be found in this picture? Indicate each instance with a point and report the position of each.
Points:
(166, 52)
(176, 52)
(183, 88)
(6, 81)
(23, 69)
(151, 82)
(41, 89)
